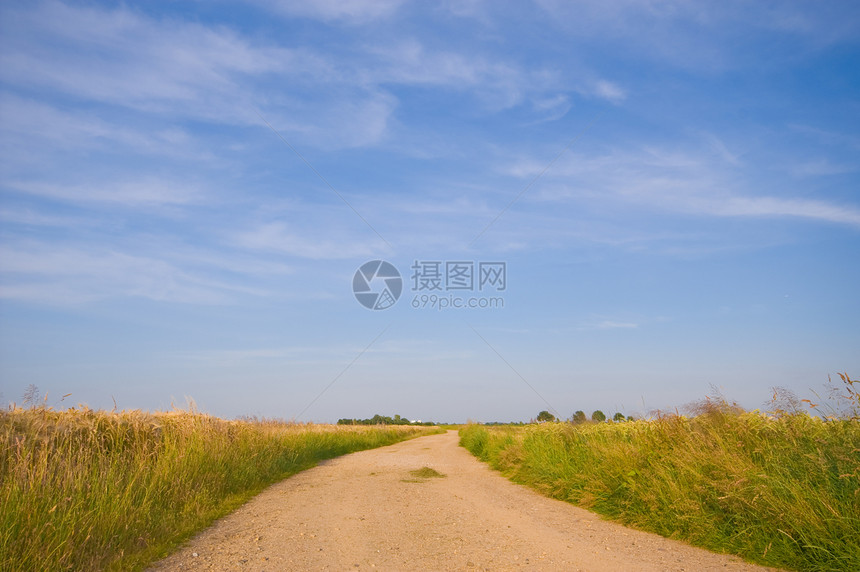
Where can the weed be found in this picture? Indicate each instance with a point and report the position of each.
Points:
(426, 473)
(781, 490)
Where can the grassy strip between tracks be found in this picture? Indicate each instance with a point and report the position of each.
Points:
(94, 490)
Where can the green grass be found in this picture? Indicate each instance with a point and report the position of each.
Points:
(93, 490)
(422, 475)
(777, 491)
(426, 473)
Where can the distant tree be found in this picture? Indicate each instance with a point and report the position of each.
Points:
(618, 417)
(383, 420)
(598, 416)
(579, 417)
(545, 416)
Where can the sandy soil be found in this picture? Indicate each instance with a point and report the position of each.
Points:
(366, 511)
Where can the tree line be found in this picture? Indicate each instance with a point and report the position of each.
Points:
(383, 420)
(578, 417)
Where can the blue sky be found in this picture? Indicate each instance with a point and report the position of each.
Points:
(673, 187)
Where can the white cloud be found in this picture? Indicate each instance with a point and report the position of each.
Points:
(821, 167)
(390, 350)
(411, 63)
(721, 150)
(280, 237)
(613, 325)
(31, 217)
(179, 70)
(31, 129)
(60, 275)
(125, 58)
(552, 108)
(827, 137)
(243, 357)
(706, 37)
(498, 83)
(600, 323)
(474, 9)
(778, 207)
(350, 12)
(359, 120)
(144, 192)
(609, 91)
(670, 181)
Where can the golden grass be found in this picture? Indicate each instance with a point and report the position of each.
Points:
(92, 490)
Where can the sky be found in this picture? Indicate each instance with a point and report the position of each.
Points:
(647, 202)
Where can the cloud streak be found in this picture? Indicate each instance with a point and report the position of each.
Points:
(46, 273)
(672, 181)
(147, 192)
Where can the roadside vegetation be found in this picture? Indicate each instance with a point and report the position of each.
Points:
(94, 490)
(780, 488)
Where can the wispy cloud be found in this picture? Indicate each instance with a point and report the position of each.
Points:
(143, 63)
(171, 69)
(305, 243)
(47, 273)
(32, 217)
(389, 350)
(720, 149)
(778, 207)
(498, 83)
(613, 325)
(359, 119)
(33, 128)
(609, 91)
(827, 137)
(704, 37)
(136, 175)
(822, 167)
(603, 323)
(673, 181)
(147, 192)
(354, 12)
(552, 108)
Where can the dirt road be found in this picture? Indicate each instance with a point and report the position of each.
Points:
(367, 511)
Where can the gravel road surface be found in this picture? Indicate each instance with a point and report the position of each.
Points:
(368, 511)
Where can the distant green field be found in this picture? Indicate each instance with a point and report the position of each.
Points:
(93, 490)
(781, 491)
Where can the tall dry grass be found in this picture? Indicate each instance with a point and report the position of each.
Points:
(93, 490)
(778, 490)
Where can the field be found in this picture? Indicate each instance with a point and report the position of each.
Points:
(780, 490)
(96, 490)
(93, 490)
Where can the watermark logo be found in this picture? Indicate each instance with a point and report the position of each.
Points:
(377, 285)
(436, 284)
(436, 275)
